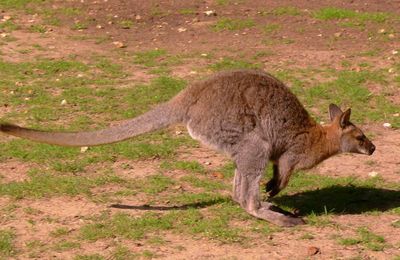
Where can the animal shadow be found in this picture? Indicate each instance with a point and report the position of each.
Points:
(201, 204)
(341, 200)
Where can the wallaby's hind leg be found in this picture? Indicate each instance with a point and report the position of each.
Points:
(250, 163)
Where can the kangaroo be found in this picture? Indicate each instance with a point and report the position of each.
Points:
(251, 116)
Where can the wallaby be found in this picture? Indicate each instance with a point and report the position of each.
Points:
(251, 116)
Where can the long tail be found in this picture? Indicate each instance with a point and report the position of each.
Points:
(159, 117)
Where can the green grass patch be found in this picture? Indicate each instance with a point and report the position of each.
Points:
(59, 232)
(154, 184)
(42, 184)
(149, 58)
(126, 24)
(229, 63)
(38, 28)
(126, 226)
(190, 166)
(79, 26)
(187, 11)
(333, 13)
(66, 245)
(286, 10)
(18, 4)
(6, 243)
(349, 90)
(8, 26)
(271, 28)
(90, 257)
(232, 24)
(366, 238)
(208, 185)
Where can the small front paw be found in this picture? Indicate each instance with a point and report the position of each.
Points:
(270, 185)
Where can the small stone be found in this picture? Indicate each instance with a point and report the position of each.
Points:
(177, 187)
(391, 70)
(387, 125)
(391, 36)
(192, 72)
(204, 54)
(319, 35)
(312, 250)
(26, 99)
(207, 163)
(338, 34)
(178, 132)
(6, 18)
(182, 29)
(99, 26)
(119, 44)
(4, 35)
(84, 149)
(19, 84)
(79, 75)
(373, 174)
(396, 115)
(63, 102)
(210, 13)
(382, 31)
(138, 17)
(394, 52)
(218, 175)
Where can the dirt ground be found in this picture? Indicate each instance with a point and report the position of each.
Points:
(160, 24)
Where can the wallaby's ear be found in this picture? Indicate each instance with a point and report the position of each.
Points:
(334, 111)
(345, 118)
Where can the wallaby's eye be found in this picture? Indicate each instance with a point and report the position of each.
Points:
(361, 138)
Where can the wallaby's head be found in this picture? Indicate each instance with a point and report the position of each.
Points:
(352, 139)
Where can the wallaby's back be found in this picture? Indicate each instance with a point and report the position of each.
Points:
(229, 105)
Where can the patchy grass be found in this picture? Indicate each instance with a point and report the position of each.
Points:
(271, 28)
(365, 238)
(333, 13)
(229, 63)
(126, 24)
(6, 243)
(349, 90)
(286, 10)
(158, 60)
(232, 24)
(190, 166)
(42, 184)
(8, 26)
(17, 4)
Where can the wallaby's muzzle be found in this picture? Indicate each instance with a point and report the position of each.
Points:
(371, 149)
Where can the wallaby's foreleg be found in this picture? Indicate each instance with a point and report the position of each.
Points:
(273, 182)
(282, 173)
(250, 163)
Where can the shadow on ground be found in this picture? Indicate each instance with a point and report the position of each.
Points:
(201, 204)
(341, 200)
(333, 200)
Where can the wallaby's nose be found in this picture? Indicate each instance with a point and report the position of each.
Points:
(372, 149)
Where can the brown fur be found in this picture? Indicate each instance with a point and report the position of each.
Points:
(251, 116)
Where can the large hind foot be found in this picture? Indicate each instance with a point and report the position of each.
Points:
(276, 216)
